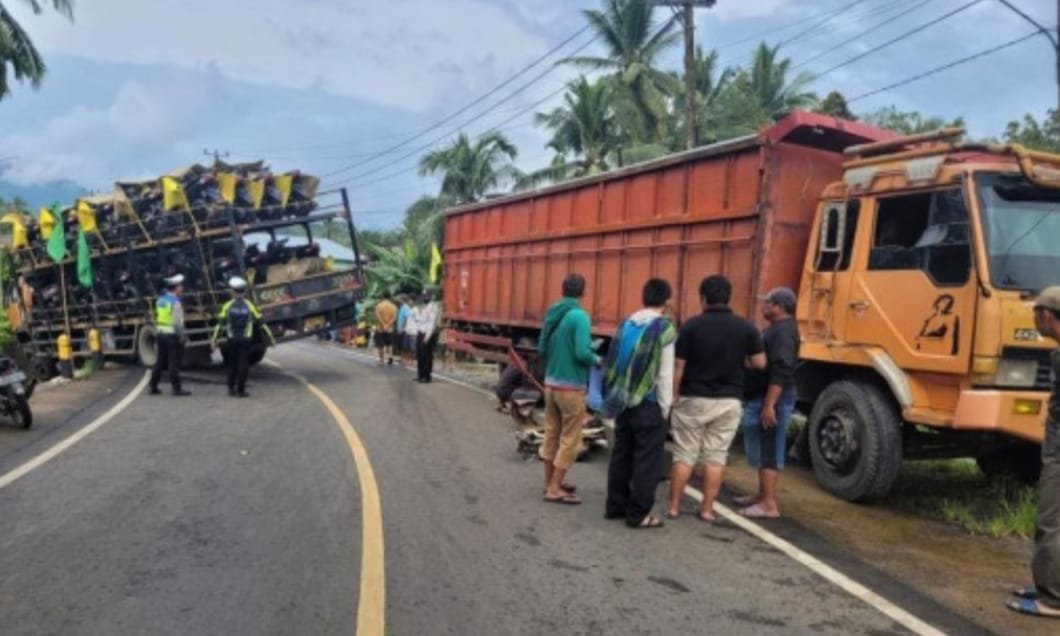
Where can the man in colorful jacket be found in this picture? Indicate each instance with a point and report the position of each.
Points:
(638, 391)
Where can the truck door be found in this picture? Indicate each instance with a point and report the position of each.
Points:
(828, 277)
(915, 297)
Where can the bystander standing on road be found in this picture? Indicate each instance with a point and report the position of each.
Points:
(712, 352)
(424, 318)
(566, 345)
(410, 333)
(401, 347)
(386, 314)
(770, 402)
(1043, 598)
(638, 391)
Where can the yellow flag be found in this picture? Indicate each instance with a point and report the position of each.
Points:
(283, 183)
(18, 229)
(86, 216)
(256, 189)
(47, 223)
(226, 182)
(173, 196)
(436, 262)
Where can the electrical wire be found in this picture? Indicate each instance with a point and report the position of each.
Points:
(944, 67)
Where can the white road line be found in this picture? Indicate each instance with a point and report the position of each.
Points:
(815, 565)
(818, 567)
(10, 477)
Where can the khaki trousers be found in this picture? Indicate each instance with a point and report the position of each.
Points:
(564, 413)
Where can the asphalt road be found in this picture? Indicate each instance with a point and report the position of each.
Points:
(208, 515)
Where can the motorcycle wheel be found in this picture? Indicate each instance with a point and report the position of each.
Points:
(21, 414)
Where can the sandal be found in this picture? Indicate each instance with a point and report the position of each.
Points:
(1031, 608)
(1029, 592)
(745, 500)
(650, 522)
(758, 512)
(705, 518)
(567, 499)
(570, 489)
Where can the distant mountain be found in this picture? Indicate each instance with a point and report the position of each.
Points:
(42, 193)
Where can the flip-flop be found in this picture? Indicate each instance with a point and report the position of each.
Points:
(672, 516)
(569, 500)
(1030, 607)
(745, 500)
(758, 512)
(648, 523)
(710, 519)
(570, 489)
(1029, 592)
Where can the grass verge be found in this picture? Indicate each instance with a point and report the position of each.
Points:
(957, 492)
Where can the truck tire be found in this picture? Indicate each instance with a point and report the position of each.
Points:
(147, 346)
(1022, 462)
(257, 354)
(855, 441)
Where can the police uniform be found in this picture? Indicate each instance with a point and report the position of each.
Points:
(169, 326)
(238, 317)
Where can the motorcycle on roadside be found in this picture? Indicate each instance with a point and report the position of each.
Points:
(14, 398)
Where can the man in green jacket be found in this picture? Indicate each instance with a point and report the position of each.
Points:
(566, 346)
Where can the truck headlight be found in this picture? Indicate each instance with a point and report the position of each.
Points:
(1015, 372)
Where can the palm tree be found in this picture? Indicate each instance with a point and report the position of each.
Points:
(17, 50)
(768, 86)
(584, 127)
(634, 42)
(469, 169)
(711, 87)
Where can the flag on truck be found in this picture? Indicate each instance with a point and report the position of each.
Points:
(84, 260)
(86, 216)
(47, 223)
(436, 262)
(18, 229)
(57, 238)
(173, 196)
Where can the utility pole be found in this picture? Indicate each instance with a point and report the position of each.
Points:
(216, 154)
(1048, 34)
(688, 19)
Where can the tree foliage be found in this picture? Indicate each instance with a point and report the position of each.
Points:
(469, 168)
(908, 122)
(1043, 135)
(19, 58)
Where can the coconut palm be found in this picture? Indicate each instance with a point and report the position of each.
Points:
(634, 42)
(711, 87)
(17, 50)
(470, 169)
(584, 127)
(768, 86)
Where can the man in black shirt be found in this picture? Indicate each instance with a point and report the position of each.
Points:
(713, 350)
(770, 402)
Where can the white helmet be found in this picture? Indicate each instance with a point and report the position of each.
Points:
(176, 279)
(237, 283)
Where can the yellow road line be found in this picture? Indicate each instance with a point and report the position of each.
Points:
(54, 451)
(371, 603)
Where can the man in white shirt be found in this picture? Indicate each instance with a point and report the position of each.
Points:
(424, 321)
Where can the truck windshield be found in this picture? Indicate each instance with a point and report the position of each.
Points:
(1022, 223)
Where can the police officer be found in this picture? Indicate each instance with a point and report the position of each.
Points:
(238, 317)
(169, 325)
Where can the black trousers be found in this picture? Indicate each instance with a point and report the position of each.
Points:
(170, 355)
(425, 355)
(238, 364)
(636, 462)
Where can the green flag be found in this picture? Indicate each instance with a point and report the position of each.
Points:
(84, 260)
(57, 239)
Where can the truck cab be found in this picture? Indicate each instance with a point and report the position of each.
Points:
(916, 309)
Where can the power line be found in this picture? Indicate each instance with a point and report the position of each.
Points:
(494, 129)
(458, 128)
(944, 67)
(761, 34)
(897, 39)
(834, 47)
(468, 106)
(828, 19)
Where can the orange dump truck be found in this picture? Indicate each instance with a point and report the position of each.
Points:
(915, 260)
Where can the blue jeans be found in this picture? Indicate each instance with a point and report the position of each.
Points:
(766, 448)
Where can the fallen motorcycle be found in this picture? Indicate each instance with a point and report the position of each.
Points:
(14, 403)
(530, 430)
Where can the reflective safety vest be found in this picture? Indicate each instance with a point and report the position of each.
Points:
(166, 309)
(238, 317)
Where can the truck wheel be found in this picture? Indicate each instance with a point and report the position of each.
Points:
(257, 354)
(855, 441)
(147, 346)
(20, 414)
(1022, 462)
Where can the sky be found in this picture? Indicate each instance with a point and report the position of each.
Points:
(343, 88)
